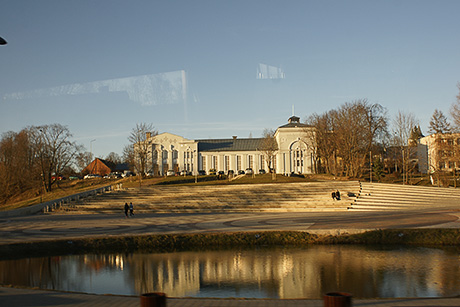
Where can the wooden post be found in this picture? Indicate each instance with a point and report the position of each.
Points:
(337, 299)
(156, 299)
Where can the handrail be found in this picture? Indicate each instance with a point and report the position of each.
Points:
(56, 203)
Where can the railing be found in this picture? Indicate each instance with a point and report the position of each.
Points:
(57, 203)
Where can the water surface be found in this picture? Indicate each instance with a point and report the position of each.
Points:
(364, 271)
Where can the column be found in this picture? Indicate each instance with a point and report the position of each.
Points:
(160, 161)
(170, 160)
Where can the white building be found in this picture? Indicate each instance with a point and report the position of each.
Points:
(295, 153)
(439, 152)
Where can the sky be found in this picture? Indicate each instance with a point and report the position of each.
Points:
(215, 69)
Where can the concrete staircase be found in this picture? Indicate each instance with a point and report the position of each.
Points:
(300, 197)
(380, 196)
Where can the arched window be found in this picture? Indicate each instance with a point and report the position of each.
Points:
(297, 156)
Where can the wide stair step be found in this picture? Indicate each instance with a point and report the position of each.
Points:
(314, 196)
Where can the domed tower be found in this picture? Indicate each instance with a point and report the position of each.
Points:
(295, 148)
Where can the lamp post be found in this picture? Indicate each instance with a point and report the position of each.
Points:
(195, 168)
(370, 166)
(394, 153)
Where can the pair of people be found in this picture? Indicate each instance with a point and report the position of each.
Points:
(129, 208)
(336, 195)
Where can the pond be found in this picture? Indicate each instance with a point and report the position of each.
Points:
(364, 271)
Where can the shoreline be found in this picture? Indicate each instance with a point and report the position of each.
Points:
(216, 240)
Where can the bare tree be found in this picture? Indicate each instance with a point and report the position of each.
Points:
(140, 140)
(269, 147)
(403, 132)
(128, 156)
(113, 158)
(29, 159)
(345, 137)
(439, 123)
(323, 137)
(357, 126)
(54, 150)
(82, 160)
(455, 111)
(17, 165)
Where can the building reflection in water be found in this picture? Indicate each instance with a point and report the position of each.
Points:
(271, 273)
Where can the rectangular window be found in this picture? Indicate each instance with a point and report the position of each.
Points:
(250, 161)
(238, 163)
(214, 162)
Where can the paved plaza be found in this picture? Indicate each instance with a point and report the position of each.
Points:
(66, 226)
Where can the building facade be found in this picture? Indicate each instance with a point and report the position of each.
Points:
(171, 153)
(439, 152)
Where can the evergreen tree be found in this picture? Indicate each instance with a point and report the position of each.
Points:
(439, 123)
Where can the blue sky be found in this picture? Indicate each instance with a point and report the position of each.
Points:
(404, 55)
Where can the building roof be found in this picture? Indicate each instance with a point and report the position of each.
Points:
(234, 144)
(95, 166)
(294, 122)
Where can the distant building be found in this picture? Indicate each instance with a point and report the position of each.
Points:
(174, 153)
(439, 152)
(104, 167)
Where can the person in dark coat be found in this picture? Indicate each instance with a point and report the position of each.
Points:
(337, 195)
(126, 209)
(131, 209)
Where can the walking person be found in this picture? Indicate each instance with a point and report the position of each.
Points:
(126, 210)
(131, 209)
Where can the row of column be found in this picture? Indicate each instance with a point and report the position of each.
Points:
(174, 160)
(294, 161)
(218, 161)
(287, 162)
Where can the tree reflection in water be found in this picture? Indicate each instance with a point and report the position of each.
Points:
(272, 272)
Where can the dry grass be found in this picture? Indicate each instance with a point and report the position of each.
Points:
(64, 188)
(182, 242)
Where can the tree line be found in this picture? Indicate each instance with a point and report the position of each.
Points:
(33, 159)
(30, 158)
(348, 138)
